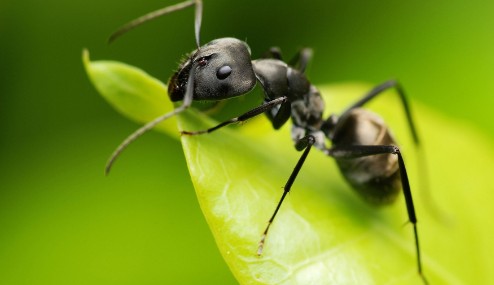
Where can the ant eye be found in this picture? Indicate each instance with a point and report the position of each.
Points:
(202, 61)
(223, 72)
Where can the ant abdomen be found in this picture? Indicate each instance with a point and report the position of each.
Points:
(376, 177)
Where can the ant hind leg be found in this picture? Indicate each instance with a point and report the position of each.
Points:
(357, 151)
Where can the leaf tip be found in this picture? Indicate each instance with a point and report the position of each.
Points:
(86, 61)
(85, 56)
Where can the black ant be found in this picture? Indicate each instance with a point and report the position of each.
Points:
(362, 145)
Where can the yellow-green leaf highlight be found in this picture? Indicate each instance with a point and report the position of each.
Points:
(324, 234)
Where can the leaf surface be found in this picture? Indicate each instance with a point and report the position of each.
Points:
(324, 234)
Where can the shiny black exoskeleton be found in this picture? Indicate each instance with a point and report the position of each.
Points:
(361, 143)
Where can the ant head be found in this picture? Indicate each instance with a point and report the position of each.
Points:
(218, 70)
(221, 69)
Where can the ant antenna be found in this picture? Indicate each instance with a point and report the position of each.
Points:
(187, 101)
(188, 97)
(158, 13)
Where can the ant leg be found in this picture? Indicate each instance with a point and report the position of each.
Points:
(280, 115)
(273, 52)
(304, 143)
(249, 114)
(379, 90)
(356, 151)
(428, 200)
(301, 59)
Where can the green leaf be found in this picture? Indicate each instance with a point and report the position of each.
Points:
(131, 91)
(324, 234)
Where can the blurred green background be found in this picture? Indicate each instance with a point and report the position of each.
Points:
(63, 222)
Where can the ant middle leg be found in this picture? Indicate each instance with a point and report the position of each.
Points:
(304, 143)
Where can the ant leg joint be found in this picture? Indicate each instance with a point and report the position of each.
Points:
(302, 143)
(396, 150)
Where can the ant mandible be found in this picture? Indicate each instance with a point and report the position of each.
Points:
(363, 147)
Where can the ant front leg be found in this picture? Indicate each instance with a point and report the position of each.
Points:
(273, 52)
(304, 143)
(298, 62)
(301, 59)
(358, 151)
(250, 114)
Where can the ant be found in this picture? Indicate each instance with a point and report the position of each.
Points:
(362, 145)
